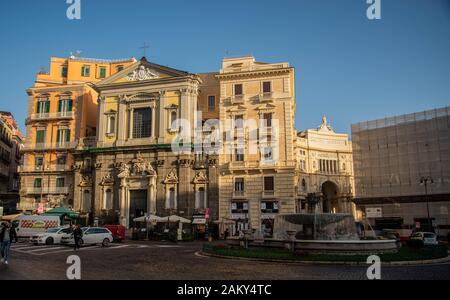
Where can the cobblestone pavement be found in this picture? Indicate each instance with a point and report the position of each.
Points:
(151, 260)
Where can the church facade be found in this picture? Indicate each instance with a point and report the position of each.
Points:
(130, 170)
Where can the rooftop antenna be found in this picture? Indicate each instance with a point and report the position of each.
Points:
(76, 55)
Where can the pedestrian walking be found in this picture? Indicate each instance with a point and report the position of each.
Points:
(7, 236)
(77, 235)
(226, 234)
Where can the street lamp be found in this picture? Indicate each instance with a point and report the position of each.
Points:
(425, 180)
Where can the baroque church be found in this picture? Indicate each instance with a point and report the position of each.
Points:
(130, 170)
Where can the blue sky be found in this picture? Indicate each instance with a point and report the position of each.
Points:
(348, 68)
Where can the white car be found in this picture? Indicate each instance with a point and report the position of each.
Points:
(51, 236)
(428, 238)
(91, 236)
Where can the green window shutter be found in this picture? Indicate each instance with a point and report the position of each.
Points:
(69, 106)
(67, 131)
(38, 107)
(59, 105)
(102, 72)
(58, 136)
(40, 134)
(47, 107)
(82, 71)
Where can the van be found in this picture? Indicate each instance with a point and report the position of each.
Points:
(27, 226)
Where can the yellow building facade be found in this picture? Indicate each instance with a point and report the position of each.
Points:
(62, 108)
(256, 179)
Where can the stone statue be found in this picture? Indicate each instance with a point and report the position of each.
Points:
(124, 170)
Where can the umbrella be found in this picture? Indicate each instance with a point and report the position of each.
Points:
(174, 219)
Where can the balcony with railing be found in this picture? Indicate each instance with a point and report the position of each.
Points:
(268, 194)
(51, 116)
(46, 190)
(237, 99)
(50, 146)
(50, 168)
(238, 194)
(266, 97)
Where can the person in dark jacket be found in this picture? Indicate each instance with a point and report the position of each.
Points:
(77, 235)
(7, 236)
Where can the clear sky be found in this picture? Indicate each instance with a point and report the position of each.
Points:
(347, 67)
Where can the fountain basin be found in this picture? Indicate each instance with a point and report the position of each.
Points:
(342, 247)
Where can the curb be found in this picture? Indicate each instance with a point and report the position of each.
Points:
(347, 263)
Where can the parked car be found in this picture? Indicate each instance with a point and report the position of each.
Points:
(51, 236)
(428, 238)
(91, 236)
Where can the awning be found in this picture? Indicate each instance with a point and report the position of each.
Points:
(62, 212)
(10, 217)
(199, 221)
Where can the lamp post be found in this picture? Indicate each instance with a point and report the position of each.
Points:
(425, 180)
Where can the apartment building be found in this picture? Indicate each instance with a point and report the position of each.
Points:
(62, 108)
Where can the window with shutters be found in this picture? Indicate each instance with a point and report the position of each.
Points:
(102, 72)
(64, 71)
(63, 136)
(40, 136)
(37, 183)
(43, 106)
(60, 182)
(86, 71)
(65, 106)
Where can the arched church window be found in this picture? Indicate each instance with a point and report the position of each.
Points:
(86, 207)
(108, 199)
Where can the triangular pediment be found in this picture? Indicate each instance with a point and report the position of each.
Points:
(142, 70)
(238, 108)
(266, 106)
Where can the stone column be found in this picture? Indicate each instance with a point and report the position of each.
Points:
(151, 195)
(162, 117)
(100, 120)
(122, 126)
(153, 121)
(123, 203)
(130, 123)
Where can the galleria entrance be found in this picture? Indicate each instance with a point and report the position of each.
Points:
(138, 204)
(330, 203)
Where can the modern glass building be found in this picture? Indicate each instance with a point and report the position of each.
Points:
(402, 170)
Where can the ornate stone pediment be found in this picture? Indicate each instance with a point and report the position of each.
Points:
(200, 178)
(141, 166)
(171, 178)
(107, 180)
(142, 73)
(85, 181)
